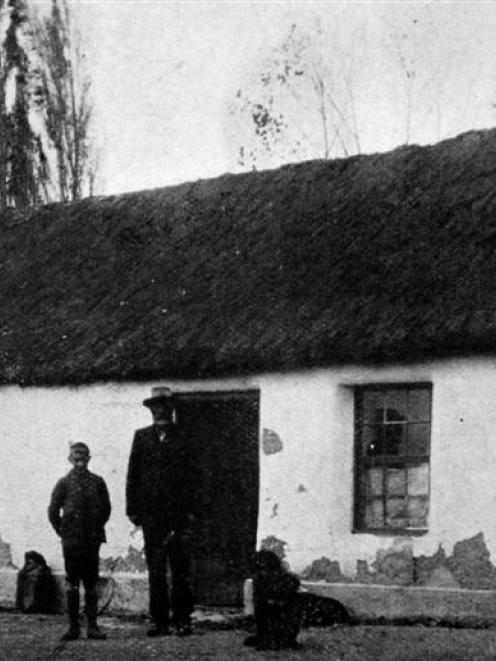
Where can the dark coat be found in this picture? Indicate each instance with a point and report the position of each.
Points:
(160, 479)
(79, 509)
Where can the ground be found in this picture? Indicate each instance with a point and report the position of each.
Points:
(36, 637)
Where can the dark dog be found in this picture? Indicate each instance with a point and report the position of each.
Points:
(277, 607)
(317, 611)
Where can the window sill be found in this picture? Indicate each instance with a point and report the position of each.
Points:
(391, 532)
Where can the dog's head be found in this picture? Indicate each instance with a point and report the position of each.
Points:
(267, 562)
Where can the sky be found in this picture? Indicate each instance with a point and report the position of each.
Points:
(165, 75)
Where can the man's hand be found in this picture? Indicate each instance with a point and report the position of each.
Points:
(188, 528)
(171, 535)
(187, 534)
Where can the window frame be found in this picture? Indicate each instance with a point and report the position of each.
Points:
(360, 499)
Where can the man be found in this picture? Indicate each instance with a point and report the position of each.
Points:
(82, 498)
(159, 498)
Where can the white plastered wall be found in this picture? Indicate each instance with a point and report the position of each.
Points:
(306, 488)
(313, 415)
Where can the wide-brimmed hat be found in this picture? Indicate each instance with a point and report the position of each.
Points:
(159, 394)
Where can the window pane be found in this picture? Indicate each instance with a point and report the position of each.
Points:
(417, 512)
(418, 438)
(396, 482)
(419, 404)
(418, 480)
(369, 440)
(380, 440)
(373, 406)
(375, 478)
(395, 439)
(396, 405)
(374, 514)
(396, 513)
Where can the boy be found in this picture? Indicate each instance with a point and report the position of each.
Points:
(78, 511)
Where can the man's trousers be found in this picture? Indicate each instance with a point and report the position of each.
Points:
(161, 551)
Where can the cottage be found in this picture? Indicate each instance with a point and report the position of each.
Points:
(331, 329)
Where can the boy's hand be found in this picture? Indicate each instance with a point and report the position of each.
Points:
(135, 520)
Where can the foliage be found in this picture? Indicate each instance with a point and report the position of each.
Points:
(23, 172)
(45, 108)
(63, 98)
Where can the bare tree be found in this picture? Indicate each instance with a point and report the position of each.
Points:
(426, 69)
(63, 97)
(302, 103)
(331, 91)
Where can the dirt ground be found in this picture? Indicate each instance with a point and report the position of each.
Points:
(36, 637)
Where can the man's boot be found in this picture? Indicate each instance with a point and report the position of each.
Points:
(94, 632)
(73, 632)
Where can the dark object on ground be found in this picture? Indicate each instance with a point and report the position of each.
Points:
(317, 611)
(72, 633)
(183, 629)
(277, 606)
(36, 590)
(95, 633)
(156, 631)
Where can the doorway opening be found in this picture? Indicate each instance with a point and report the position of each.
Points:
(223, 429)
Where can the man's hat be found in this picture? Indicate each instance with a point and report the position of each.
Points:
(159, 394)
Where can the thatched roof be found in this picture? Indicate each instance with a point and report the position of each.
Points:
(383, 257)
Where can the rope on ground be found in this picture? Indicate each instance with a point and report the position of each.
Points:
(107, 594)
(57, 650)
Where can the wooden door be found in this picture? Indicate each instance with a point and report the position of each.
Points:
(223, 431)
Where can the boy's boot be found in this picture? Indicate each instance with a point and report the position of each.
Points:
(94, 632)
(73, 632)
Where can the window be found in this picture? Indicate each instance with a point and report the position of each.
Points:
(392, 431)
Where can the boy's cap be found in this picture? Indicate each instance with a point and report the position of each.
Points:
(79, 446)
